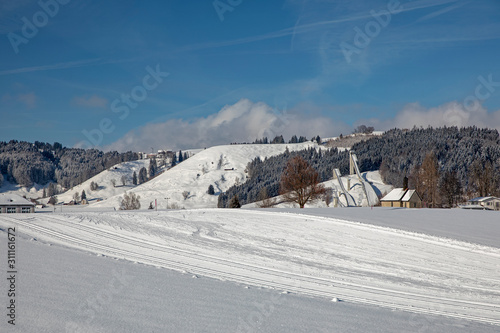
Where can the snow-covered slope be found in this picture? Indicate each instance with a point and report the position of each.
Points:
(197, 173)
(103, 179)
(34, 191)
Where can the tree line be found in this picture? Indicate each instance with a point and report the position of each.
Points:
(26, 163)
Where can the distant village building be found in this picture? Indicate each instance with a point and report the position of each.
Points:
(484, 203)
(13, 203)
(400, 197)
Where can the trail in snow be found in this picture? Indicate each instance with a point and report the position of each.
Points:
(309, 255)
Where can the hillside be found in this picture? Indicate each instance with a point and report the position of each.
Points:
(27, 164)
(103, 180)
(470, 155)
(220, 166)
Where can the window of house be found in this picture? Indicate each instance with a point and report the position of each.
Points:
(11, 210)
(26, 210)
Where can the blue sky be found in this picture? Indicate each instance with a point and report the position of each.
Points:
(242, 69)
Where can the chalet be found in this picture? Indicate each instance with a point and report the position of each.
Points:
(483, 203)
(12, 203)
(400, 197)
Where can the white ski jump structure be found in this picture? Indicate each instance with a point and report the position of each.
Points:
(369, 192)
(348, 198)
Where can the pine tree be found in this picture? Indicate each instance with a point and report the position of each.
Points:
(52, 200)
(430, 179)
(211, 190)
(143, 175)
(84, 195)
(152, 168)
(181, 158)
(134, 178)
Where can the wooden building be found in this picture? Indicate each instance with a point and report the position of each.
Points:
(400, 197)
(13, 203)
(483, 203)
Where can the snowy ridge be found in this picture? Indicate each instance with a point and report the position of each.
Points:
(200, 171)
(308, 255)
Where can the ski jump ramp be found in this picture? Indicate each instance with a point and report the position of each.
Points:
(371, 196)
(348, 197)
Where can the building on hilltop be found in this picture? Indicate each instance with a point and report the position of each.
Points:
(13, 203)
(484, 203)
(400, 197)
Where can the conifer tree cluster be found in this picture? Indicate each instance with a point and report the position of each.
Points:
(445, 165)
(26, 163)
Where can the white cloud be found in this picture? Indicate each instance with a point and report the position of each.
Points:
(242, 122)
(449, 114)
(245, 121)
(93, 101)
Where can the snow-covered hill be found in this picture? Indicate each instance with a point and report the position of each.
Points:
(103, 180)
(220, 166)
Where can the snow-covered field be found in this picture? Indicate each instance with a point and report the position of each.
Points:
(450, 284)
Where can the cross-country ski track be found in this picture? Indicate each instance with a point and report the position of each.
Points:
(308, 255)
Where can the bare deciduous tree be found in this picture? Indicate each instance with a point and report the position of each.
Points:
(328, 197)
(450, 188)
(265, 200)
(482, 176)
(130, 201)
(234, 202)
(94, 186)
(124, 180)
(185, 194)
(300, 182)
(113, 182)
(220, 162)
(425, 179)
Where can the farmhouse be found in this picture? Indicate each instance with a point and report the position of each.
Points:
(12, 203)
(400, 197)
(485, 203)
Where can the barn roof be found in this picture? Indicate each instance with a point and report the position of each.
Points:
(399, 194)
(394, 195)
(408, 195)
(482, 199)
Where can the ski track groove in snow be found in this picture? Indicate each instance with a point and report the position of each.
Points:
(91, 233)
